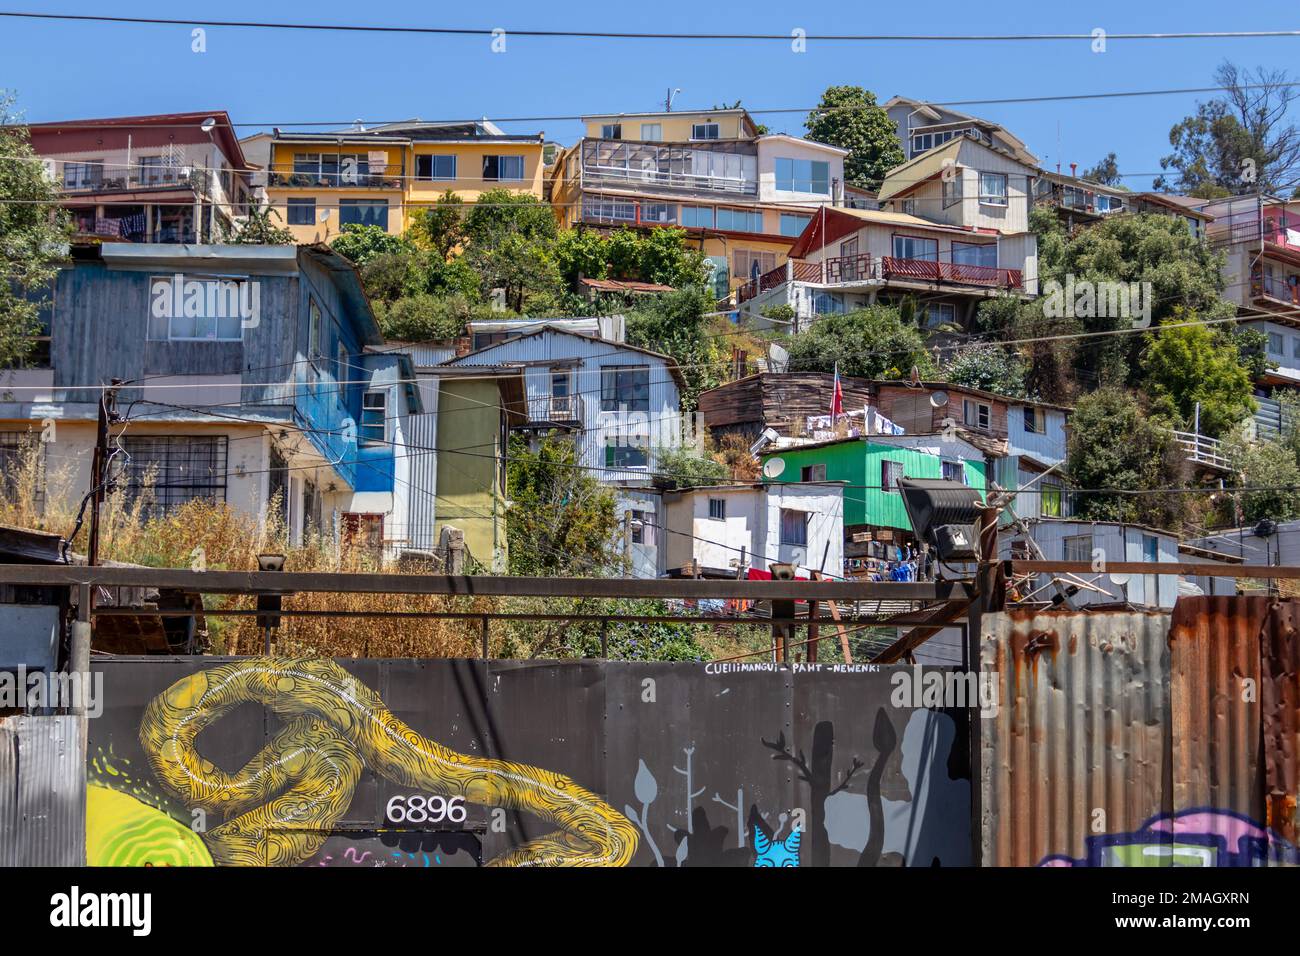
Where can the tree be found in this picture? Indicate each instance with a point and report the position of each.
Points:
(688, 469)
(676, 324)
(361, 244)
(873, 342)
(511, 245)
(562, 521)
(1190, 365)
(1115, 446)
(992, 368)
(1106, 172)
(849, 118)
(1239, 143)
(439, 228)
(428, 318)
(34, 231)
(257, 229)
(1266, 465)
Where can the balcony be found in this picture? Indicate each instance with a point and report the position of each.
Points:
(1203, 451)
(723, 170)
(138, 177)
(846, 270)
(286, 177)
(1280, 288)
(555, 411)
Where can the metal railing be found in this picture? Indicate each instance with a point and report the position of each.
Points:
(557, 409)
(642, 164)
(1203, 450)
(390, 177)
(1280, 288)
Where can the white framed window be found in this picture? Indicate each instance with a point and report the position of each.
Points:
(1276, 344)
(374, 416)
(718, 509)
(952, 190)
(84, 175)
(752, 263)
(652, 132)
(435, 168)
(803, 176)
(1076, 547)
(940, 313)
(914, 247)
(993, 189)
(705, 131)
(794, 527)
(611, 131)
(975, 254)
(503, 168)
(909, 207)
(953, 471)
(976, 414)
(812, 473)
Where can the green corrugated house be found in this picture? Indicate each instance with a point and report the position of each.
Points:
(872, 463)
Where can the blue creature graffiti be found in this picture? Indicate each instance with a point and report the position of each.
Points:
(1199, 838)
(773, 852)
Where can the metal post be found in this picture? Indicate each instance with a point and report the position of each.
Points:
(484, 638)
(98, 466)
(990, 596)
(604, 639)
(79, 651)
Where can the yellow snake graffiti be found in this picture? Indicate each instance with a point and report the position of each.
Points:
(279, 807)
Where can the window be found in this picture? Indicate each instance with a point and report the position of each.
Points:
(750, 263)
(181, 467)
(87, 175)
(953, 471)
(812, 473)
(975, 254)
(993, 189)
(794, 527)
(625, 388)
(19, 451)
(939, 313)
(429, 168)
(1077, 547)
(718, 509)
(341, 371)
(500, 168)
(643, 527)
(803, 176)
(1035, 420)
(890, 472)
(826, 304)
(1276, 345)
(697, 217)
(151, 170)
(952, 190)
(611, 131)
(793, 225)
(217, 321)
(912, 247)
(652, 132)
(660, 212)
(705, 131)
(976, 414)
(740, 220)
(909, 207)
(1051, 500)
(374, 416)
(301, 212)
(364, 212)
(625, 456)
(315, 330)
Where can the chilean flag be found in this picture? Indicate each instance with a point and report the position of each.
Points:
(837, 397)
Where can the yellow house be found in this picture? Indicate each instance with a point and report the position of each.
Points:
(742, 196)
(319, 182)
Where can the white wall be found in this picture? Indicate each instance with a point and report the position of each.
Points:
(774, 148)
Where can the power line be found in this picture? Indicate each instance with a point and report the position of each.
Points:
(629, 35)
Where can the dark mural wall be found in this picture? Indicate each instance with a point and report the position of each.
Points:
(258, 761)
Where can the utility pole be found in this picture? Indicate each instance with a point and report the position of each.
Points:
(99, 465)
(990, 596)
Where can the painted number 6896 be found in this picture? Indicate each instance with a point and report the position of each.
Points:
(420, 809)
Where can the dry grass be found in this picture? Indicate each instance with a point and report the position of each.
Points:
(215, 536)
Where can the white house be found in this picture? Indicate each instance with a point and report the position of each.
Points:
(724, 529)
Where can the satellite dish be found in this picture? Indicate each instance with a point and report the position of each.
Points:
(1121, 579)
(324, 215)
(773, 467)
(208, 125)
(938, 399)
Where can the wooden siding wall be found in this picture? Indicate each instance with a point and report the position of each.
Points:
(777, 401)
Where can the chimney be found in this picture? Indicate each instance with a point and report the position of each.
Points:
(1074, 170)
(464, 345)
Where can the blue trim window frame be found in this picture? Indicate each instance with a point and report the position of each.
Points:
(432, 168)
(697, 217)
(740, 220)
(803, 176)
(503, 168)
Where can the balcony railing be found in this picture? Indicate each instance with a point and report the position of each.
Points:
(722, 170)
(1280, 288)
(555, 410)
(140, 177)
(390, 177)
(1203, 450)
(868, 268)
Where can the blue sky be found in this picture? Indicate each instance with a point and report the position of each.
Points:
(76, 70)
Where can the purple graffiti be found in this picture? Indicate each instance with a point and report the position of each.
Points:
(1200, 837)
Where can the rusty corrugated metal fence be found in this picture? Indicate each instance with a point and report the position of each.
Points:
(1130, 738)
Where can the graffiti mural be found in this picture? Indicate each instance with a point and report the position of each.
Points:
(435, 763)
(1197, 838)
